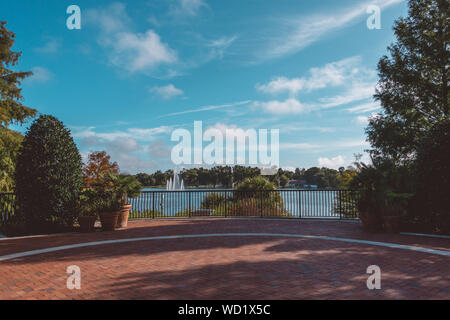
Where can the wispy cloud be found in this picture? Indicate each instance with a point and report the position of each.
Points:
(187, 8)
(40, 75)
(330, 75)
(350, 76)
(208, 108)
(289, 106)
(51, 46)
(167, 92)
(293, 34)
(366, 107)
(139, 134)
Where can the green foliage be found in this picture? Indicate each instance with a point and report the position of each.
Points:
(11, 109)
(256, 184)
(213, 200)
(89, 203)
(48, 174)
(9, 146)
(413, 85)
(431, 204)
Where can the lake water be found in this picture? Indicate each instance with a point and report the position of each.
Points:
(298, 203)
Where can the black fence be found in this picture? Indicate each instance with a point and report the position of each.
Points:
(330, 204)
(7, 206)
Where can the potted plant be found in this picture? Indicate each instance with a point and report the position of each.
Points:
(88, 205)
(127, 188)
(109, 210)
(124, 188)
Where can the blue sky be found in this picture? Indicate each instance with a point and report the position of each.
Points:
(137, 70)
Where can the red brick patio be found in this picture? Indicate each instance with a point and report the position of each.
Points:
(237, 267)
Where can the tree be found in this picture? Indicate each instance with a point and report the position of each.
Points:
(413, 85)
(432, 208)
(48, 175)
(99, 164)
(12, 111)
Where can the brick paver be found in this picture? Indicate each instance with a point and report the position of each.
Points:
(226, 267)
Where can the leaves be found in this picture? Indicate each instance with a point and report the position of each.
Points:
(11, 109)
(413, 85)
(48, 174)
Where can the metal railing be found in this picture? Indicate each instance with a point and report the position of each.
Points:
(284, 203)
(7, 206)
(331, 204)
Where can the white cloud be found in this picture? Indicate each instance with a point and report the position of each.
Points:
(356, 82)
(130, 163)
(363, 108)
(140, 52)
(187, 7)
(51, 46)
(159, 149)
(296, 33)
(113, 18)
(218, 46)
(298, 146)
(333, 163)
(282, 84)
(40, 75)
(134, 52)
(357, 92)
(140, 134)
(332, 74)
(289, 106)
(167, 92)
(122, 145)
(208, 108)
(365, 119)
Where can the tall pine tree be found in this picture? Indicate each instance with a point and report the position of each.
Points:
(12, 111)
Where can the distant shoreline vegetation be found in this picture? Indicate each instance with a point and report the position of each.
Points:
(226, 177)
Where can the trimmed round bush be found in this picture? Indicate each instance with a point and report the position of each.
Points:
(48, 175)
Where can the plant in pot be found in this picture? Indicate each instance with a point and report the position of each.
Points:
(109, 209)
(125, 188)
(88, 207)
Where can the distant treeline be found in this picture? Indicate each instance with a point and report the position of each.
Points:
(227, 177)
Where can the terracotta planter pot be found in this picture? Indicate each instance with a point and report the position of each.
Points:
(392, 224)
(109, 220)
(370, 221)
(87, 224)
(122, 220)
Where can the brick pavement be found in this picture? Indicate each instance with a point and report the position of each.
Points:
(226, 267)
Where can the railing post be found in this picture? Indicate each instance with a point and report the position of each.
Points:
(340, 204)
(262, 207)
(226, 203)
(153, 205)
(299, 204)
(189, 203)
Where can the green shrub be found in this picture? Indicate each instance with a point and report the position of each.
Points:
(213, 200)
(48, 175)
